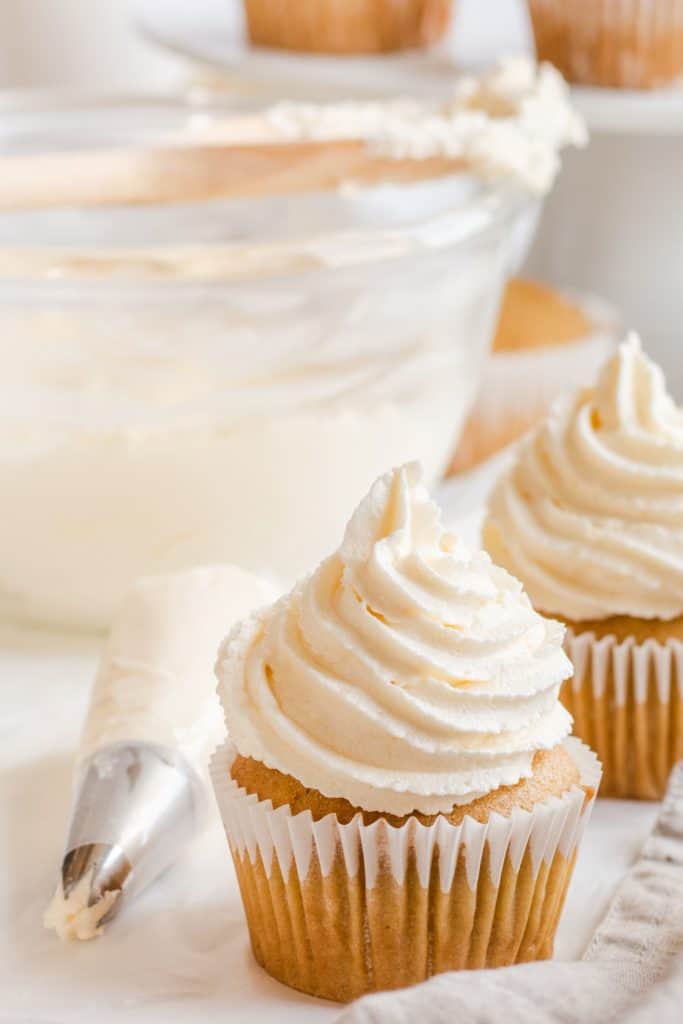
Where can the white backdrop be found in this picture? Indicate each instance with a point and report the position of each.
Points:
(87, 43)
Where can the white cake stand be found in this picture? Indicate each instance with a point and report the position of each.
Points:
(627, 112)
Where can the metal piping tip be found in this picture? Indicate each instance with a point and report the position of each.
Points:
(89, 894)
(106, 868)
(134, 809)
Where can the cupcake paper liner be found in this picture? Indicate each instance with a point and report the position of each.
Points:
(519, 387)
(632, 44)
(627, 702)
(347, 26)
(337, 910)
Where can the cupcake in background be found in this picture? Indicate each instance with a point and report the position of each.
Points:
(628, 44)
(590, 518)
(547, 343)
(398, 793)
(347, 26)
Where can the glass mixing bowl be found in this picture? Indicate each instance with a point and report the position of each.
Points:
(221, 381)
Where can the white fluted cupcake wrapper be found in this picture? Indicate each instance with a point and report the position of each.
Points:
(627, 669)
(337, 910)
(253, 826)
(626, 699)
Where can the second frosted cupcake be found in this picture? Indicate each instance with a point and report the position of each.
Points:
(398, 792)
(590, 518)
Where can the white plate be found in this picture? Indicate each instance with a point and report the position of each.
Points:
(627, 112)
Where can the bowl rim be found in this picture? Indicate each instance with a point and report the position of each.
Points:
(448, 212)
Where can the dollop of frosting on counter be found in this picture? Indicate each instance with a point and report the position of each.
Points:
(73, 917)
(590, 515)
(406, 673)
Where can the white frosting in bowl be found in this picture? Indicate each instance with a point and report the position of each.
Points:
(217, 381)
(406, 673)
(590, 516)
(167, 423)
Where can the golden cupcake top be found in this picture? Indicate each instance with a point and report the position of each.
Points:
(534, 315)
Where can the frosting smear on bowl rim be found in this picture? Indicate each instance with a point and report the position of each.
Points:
(510, 122)
(406, 673)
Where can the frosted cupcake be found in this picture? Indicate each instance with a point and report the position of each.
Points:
(547, 343)
(399, 794)
(347, 26)
(590, 518)
(632, 44)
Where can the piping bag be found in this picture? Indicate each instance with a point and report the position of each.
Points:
(139, 791)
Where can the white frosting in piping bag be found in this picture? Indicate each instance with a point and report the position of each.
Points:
(590, 517)
(155, 681)
(155, 686)
(406, 673)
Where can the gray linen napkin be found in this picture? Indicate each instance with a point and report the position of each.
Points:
(632, 971)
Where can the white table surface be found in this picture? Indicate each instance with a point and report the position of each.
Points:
(180, 953)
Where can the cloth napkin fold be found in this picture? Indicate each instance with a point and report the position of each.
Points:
(632, 971)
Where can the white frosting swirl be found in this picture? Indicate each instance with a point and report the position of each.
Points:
(590, 517)
(406, 673)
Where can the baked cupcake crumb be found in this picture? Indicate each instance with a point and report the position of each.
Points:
(553, 773)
